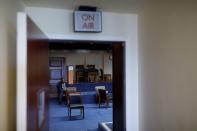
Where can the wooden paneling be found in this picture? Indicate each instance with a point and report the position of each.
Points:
(118, 87)
(37, 77)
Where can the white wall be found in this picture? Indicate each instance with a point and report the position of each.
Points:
(94, 58)
(83, 57)
(168, 66)
(8, 11)
(57, 24)
(71, 58)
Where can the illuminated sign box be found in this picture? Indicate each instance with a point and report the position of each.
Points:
(87, 21)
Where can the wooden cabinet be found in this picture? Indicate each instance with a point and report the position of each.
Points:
(57, 69)
(70, 74)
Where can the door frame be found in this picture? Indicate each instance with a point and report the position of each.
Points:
(22, 77)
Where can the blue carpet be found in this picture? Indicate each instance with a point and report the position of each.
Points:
(59, 121)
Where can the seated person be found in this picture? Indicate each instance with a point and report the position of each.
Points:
(60, 90)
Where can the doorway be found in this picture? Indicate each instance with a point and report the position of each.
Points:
(117, 51)
(33, 77)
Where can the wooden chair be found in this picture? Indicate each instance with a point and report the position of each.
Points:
(97, 92)
(107, 77)
(68, 90)
(102, 97)
(91, 77)
(75, 102)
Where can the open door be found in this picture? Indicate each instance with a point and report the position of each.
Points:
(118, 87)
(37, 78)
(32, 76)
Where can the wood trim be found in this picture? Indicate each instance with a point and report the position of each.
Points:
(119, 121)
(85, 61)
(103, 63)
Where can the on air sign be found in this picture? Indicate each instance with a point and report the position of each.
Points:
(87, 21)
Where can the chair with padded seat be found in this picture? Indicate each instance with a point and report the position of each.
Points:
(75, 102)
(103, 97)
(97, 93)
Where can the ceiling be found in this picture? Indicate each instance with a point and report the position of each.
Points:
(120, 6)
(79, 45)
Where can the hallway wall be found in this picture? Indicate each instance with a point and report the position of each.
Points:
(8, 9)
(167, 72)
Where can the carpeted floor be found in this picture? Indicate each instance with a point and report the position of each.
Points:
(59, 120)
